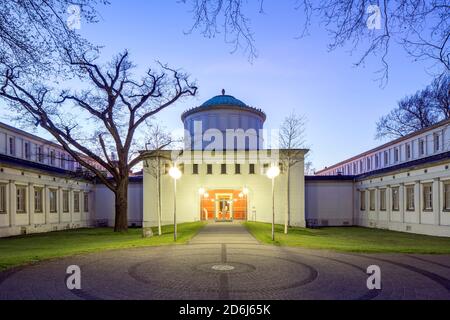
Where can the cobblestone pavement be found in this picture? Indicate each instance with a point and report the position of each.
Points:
(225, 262)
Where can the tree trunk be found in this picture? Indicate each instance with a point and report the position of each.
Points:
(121, 223)
(287, 220)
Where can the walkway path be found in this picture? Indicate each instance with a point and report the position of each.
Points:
(224, 232)
(225, 262)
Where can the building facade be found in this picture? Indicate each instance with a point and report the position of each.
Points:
(403, 185)
(224, 165)
(41, 189)
(220, 189)
(418, 145)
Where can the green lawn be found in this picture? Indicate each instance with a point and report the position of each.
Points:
(351, 239)
(20, 250)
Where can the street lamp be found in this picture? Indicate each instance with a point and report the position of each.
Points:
(245, 192)
(272, 173)
(175, 173)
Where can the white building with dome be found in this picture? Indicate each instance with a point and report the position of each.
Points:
(223, 165)
(403, 185)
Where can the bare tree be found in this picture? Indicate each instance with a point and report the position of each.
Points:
(35, 33)
(309, 168)
(113, 103)
(157, 139)
(421, 27)
(418, 111)
(292, 138)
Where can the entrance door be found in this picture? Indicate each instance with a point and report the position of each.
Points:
(224, 207)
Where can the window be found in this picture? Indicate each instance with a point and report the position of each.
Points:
(2, 198)
(12, 146)
(223, 168)
(63, 160)
(395, 199)
(421, 147)
(372, 200)
(39, 154)
(436, 142)
(21, 204)
(376, 161)
(251, 168)
(447, 196)
(65, 201)
(368, 164)
(76, 202)
(195, 168)
(360, 166)
(386, 158)
(355, 167)
(237, 168)
(53, 195)
(410, 198)
(362, 200)
(383, 199)
(86, 202)
(70, 162)
(209, 169)
(27, 150)
(428, 196)
(38, 208)
(396, 155)
(52, 157)
(408, 151)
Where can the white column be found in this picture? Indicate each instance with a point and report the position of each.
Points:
(59, 204)
(12, 203)
(31, 203)
(437, 201)
(377, 204)
(83, 214)
(367, 208)
(417, 203)
(46, 204)
(401, 202)
(71, 204)
(388, 202)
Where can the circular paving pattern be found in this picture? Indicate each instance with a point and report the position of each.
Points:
(183, 272)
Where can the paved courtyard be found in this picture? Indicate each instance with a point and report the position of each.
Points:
(225, 262)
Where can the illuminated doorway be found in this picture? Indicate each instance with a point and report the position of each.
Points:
(223, 205)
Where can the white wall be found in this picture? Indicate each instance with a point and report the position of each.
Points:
(329, 202)
(105, 205)
(259, 197)
(435, 222)
(15, 223)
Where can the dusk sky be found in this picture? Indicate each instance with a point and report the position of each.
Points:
(341, 102)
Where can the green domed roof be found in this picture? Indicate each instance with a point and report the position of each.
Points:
(223, 99)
